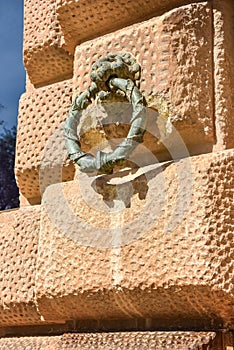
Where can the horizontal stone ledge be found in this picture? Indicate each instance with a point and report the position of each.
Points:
(156, 243)
(114, 341)
(81, 20)
(170, 260)
(53, 29)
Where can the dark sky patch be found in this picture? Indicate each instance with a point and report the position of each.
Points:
(12, 73)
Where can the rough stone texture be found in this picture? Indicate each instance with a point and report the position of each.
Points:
(83, 20)
(44, 58)
(53, 28)
(115, 341)
(28, 343)
(41, 113)
(136, 340)
(224, 72)
(19, 231)
(154, 244)
(158, 246)
(175, 52)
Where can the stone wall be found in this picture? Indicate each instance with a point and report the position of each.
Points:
(142, 258)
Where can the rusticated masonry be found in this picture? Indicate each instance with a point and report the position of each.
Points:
(141, 258)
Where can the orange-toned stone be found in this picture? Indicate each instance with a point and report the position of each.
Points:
(224, 72)
(115, 341)
(175, 52)
(19, 231)
(82, 20)
(158, 246)
(29, 343)
(172, 81)
(41, 112)
(44, 58)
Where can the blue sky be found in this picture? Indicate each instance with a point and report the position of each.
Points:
(12, 73)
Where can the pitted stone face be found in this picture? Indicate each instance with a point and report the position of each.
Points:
(167, 262)
(114, 341)
(41, 112)
(176, 85)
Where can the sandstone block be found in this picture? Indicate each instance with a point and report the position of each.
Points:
(116, 341)
(224, 72)
(44, 58)
(156, 243)
(18, 254)
(83, 20)
(29, 343)
(175, 52)
(176, 80)
(41, 112)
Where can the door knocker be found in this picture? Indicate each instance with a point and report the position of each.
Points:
(109, 75)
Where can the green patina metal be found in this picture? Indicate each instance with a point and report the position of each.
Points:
(111, 75)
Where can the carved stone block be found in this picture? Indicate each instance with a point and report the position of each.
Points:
(19, 231)
(83, 20)
(115, 341)
(44, 58)
(175, 53)
(223, 72)
(156, 244)
(41, 112)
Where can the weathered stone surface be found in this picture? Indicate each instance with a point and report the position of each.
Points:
(115, 341)
(224, 72)
(44, 58)
(83, 20)
(41, 112)
(29, 343)
(152, 245)
(19, 231)
(175, 52)
(159, 245)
